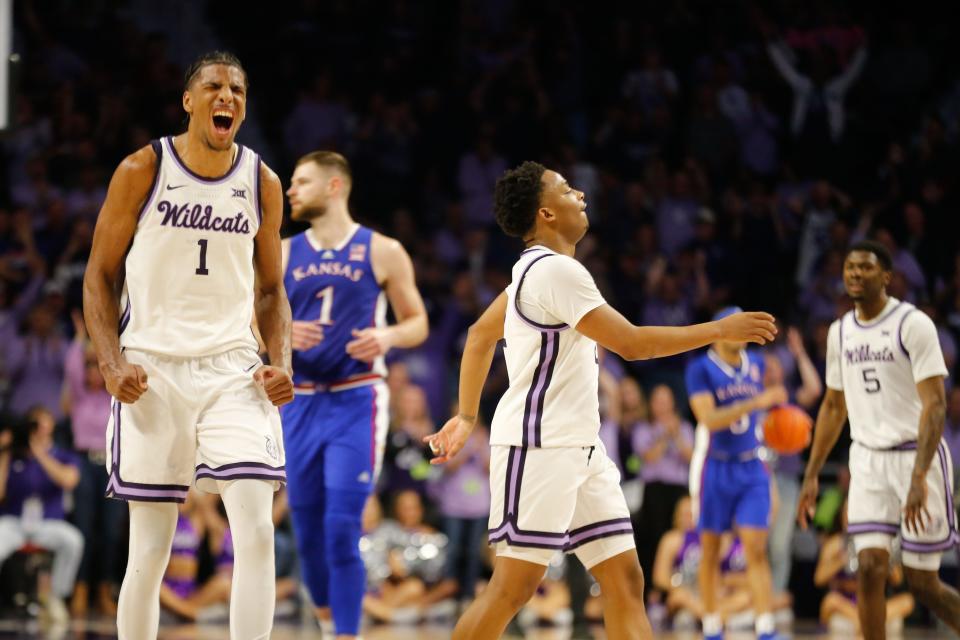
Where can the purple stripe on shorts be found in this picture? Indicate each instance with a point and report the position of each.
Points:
(873, 527)
(117, 488)
(929, 547)
(245, 471)
(606, 533)
(513, 480)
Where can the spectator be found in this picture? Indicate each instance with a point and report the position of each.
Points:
(665, 447)
(34, 476)
(86, 401)
(406, 459)
(463, 500)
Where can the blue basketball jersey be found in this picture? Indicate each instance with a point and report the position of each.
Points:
(337, 288)
(729, 385)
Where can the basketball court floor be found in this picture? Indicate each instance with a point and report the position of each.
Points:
(106, 630)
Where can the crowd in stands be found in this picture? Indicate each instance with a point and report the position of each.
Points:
(729, 155)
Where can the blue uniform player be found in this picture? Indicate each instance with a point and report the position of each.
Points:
(339, 276)
(727, 396)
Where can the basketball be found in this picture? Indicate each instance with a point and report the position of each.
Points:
(787, 429)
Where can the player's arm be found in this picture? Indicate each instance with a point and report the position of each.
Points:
(482, 338)
(270, 299)
(830, 420)
(932, 417)
(116, 224)
(716, 418)
(811, 386)
(607, 326)
(394, 271)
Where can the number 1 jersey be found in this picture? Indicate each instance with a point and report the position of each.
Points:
(189, 275)
(877, 365)
(336, 288)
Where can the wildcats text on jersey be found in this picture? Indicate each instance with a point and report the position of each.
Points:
(864, 353)
(198, 217)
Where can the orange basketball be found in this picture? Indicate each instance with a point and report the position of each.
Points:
(787, 429)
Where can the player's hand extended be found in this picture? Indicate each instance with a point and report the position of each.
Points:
(124, 381)
(448, 442)
(807, 504)
(915, 514)
(276, 382)
(306, 335)
(369, 343)
(748, 326)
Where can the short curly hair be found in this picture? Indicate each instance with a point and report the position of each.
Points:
(516, 198)
(213, 57)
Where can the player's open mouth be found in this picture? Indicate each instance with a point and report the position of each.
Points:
(222, 120)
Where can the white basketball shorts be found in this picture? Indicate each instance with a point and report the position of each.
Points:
(200, 418)
(879, 483)
(557, 499)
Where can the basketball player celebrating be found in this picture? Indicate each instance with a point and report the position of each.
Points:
(337, 274)
(885, 371)
(553, 486)
(186, 249)
(726, 392)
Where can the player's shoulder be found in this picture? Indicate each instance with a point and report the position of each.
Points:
(699, 362)
(384, 246)
(551, 265)
(916, 320)
(140, 163)
(268, 177)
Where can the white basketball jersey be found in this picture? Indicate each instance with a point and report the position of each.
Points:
(188, 287)
(877, 365)
(552, 400)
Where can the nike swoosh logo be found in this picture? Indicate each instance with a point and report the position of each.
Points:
(170, 187)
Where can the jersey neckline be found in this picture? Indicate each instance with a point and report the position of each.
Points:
(892, 305)
(180, 163)
(315, 245)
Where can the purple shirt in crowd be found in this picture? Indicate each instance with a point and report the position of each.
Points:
(36, 367)
(89, 408)
(671, 468)
(465, 492)
(27, 479)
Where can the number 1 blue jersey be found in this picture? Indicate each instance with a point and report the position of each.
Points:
(337, 288)
(729, 385)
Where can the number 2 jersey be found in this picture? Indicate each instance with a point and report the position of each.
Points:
(189, 275)
(877, 366)
(335, 287)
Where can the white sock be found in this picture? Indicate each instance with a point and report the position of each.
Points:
(712, 624)
(152, 525)
(765, 623)
(249, 506)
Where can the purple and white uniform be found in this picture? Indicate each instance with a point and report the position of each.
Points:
(185, 317)
(552, 485)
(877, 366)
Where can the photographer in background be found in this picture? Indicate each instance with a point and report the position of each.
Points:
(34, 474)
